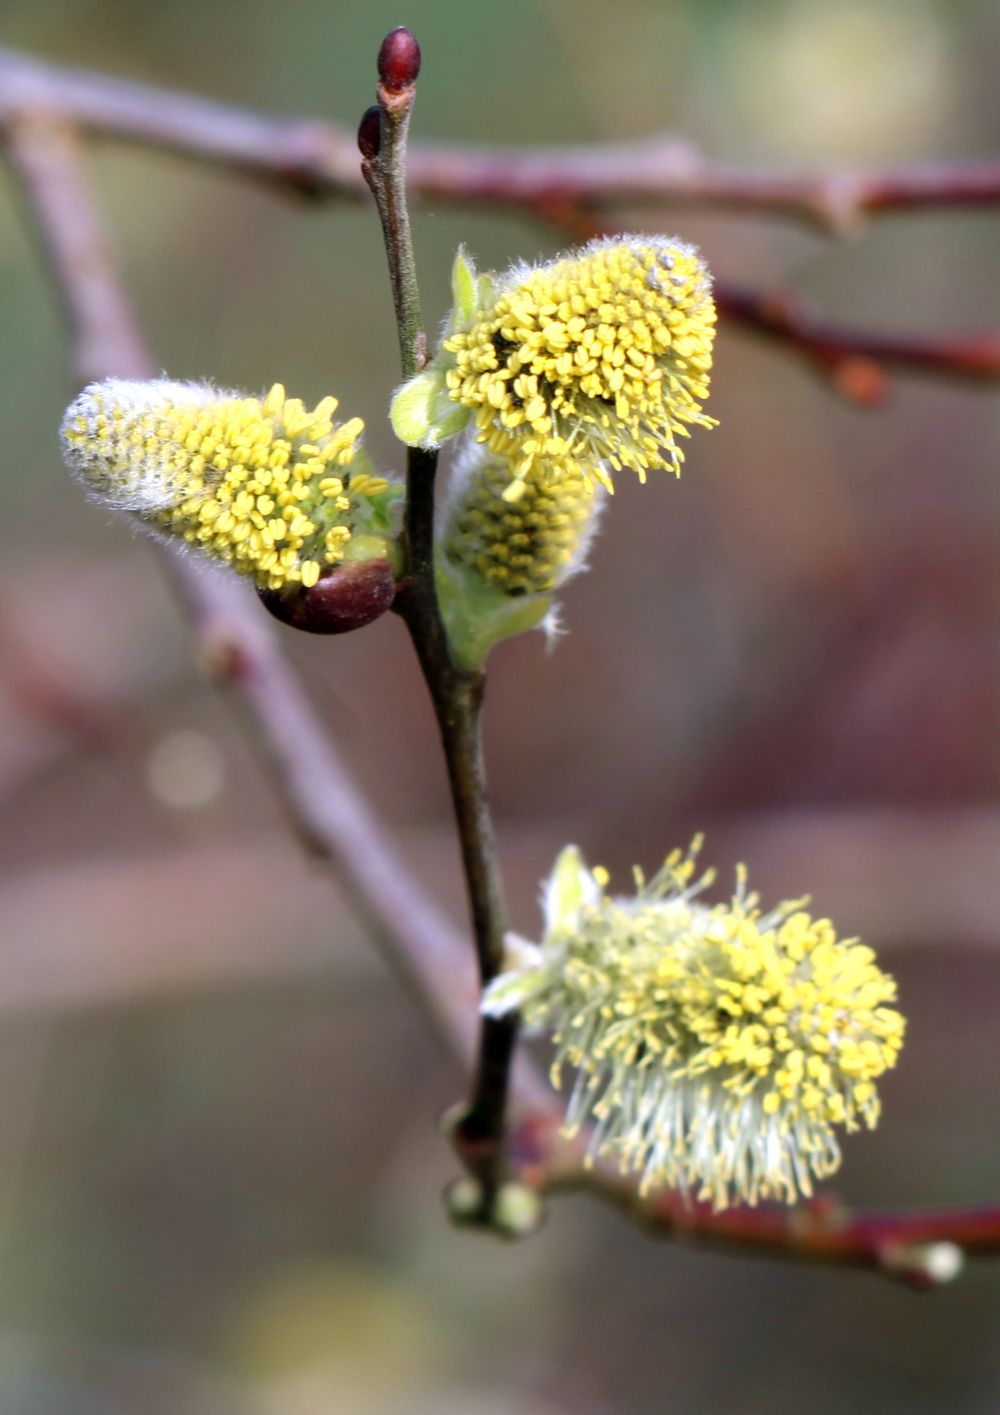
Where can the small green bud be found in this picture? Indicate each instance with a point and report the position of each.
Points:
(924, 1265)
(518, 1211)
(464, 291)
(502, 559)
(463, 1200)
(422, 414)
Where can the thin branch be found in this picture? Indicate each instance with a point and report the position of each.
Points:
(318, 159)
(384, 170)
(457, 694)
(567, 187)
(920, 1247)
(855, 360)
(306, 157)
(44, 694)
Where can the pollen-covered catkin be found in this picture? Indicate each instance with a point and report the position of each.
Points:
(592, 363)
(267, 486)
(717, 1048)
(530, 546)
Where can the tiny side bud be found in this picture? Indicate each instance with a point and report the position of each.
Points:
(861, 381)
(924, 1266)
(370, 133)
(463, 1200)
(518, 1211)
(399, 60)
(349, 597)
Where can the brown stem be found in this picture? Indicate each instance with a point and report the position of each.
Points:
(854, 361)
(857, 361)
(318, 159)
(385, 172)
(457, 694)
(912, 1246)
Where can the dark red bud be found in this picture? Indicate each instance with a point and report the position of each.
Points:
(370, 133)
(348, 597)
(399, 60)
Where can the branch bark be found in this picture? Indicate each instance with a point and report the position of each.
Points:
(318, 159)
(920, 1247)
(855, 361)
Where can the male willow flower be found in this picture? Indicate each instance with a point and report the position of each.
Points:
(716, 1048)
(268, 486)
(499, 562)
(590, 363)
(530, 546)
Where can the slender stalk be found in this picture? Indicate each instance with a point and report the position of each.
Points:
(315, 159)
(385, 172)
(457, 695)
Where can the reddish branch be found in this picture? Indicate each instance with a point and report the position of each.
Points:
(558, 184)
(326, 808)
(856, 362)
(853, 361)
(909, 1245)
(319, 158)
(43, 694)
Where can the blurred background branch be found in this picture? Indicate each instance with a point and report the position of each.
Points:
(318, 159)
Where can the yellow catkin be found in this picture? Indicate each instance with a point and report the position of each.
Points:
(592, 363)
(264, 485)
(717, 1048)
(525, 547)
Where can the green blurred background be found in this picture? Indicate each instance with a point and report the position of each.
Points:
(219, 1163)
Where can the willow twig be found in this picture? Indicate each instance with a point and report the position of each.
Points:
(456, 693)
(857, 361)
(920, 1247)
